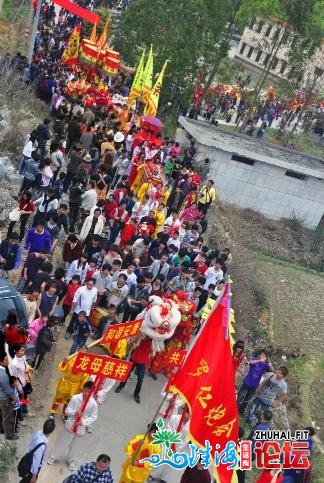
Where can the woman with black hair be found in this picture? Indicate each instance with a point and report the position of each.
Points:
(26, 208)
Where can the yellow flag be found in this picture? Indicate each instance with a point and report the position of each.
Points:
(104, 36)
(148, 76)
(93, 36)
(153, 102)
(136, 88)
(71, 52)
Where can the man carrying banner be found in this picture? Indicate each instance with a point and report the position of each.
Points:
(136, 449)
(81, 412)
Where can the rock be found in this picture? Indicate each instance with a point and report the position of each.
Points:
(6, 167)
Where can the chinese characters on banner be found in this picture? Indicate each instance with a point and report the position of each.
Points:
(206, 381)
(175, 357)
(102, 366)
(122, 331)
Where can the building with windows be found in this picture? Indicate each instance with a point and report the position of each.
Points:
(255, 174)
(255, 47)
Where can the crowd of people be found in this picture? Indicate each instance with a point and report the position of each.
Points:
(110, 213)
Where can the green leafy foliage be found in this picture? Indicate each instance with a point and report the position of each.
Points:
(186, 32)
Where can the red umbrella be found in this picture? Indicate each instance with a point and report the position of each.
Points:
(153, 121)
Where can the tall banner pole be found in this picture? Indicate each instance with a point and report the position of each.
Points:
(34, 32)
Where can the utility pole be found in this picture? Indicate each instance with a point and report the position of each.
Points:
(34, 32)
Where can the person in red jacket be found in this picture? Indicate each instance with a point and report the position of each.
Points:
(14, 335)
(127, 232)
(68, 299)
(109, 207)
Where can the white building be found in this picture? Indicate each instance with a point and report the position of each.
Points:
(255, 48)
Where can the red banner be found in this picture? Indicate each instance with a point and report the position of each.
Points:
(122, 331)
(79, 11)
(175, 357)
(206, 382)
(102, 366)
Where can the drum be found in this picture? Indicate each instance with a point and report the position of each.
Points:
(96, 314)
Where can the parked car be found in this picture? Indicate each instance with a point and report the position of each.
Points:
(11, 300)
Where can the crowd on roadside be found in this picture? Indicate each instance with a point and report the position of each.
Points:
(109, 214)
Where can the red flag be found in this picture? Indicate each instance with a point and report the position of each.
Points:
(81, 12)
(206, 381)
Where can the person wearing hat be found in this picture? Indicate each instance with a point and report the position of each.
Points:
(10, 254)
(83, 171)
(119, 137)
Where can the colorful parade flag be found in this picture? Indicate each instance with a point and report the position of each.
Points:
(89, 53)
(136, 88)
(109, 61)
(153, 101)
(206, 382)
(71, 51)
(102, 41)
(93, 36)
(147, 78)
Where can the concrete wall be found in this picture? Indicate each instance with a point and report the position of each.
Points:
(266, 189)
(262, 187)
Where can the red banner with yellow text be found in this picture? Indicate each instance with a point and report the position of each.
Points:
(206, 382)
(102, 366)
(122, 331)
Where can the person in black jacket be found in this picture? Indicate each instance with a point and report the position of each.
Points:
(74, 202)
(43, 135)
(73, 133)
(44, 343)
(175, 201)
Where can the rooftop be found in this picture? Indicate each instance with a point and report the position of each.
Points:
(254, 148)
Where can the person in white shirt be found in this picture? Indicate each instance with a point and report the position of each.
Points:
(131, 277)
(141, 209)
(84, 300)
(140, 246)
(89, 197)
(214, 274)
(30, 144)
(118, 291)
(92, 225)
(75, 426)
(40, 439)
(174, 240)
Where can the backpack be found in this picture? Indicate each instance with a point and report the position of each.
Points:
(25, 464)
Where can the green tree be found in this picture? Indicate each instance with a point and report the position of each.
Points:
(186, 32)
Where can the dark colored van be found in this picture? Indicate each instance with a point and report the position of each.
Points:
(10, 300)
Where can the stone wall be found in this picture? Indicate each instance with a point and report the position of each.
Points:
(263, 186)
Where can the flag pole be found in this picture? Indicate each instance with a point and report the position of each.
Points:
(34, 32)
(135, 455)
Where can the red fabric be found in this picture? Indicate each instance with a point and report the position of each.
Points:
(13, 336)
(206, 380)
(89, 274)
(71, 289)
(29, 206)
(127, 234)
(142, 353)
(79, 11)
(109, 208)
(266, 477)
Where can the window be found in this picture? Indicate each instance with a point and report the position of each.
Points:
(242, 48)
(293, 174)
(276, 34)
(266, 59)
(268, 31)
(250, 52)
(274, 63)
(243, 159)
(283, 67)
(259, 26)
(252, 23)
(258, 56)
